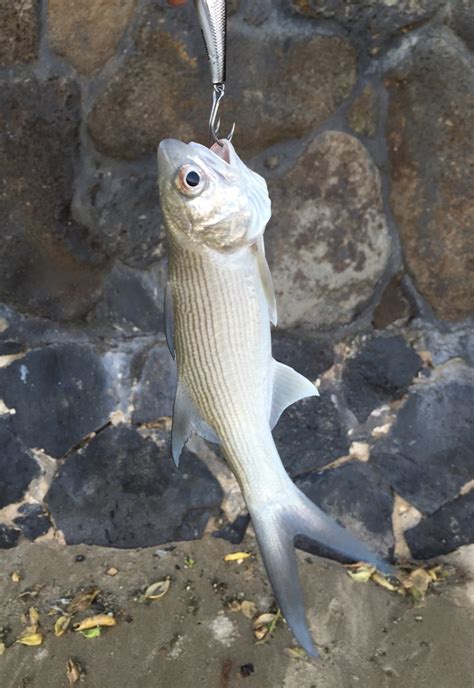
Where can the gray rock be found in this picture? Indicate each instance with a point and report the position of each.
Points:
(19, 36)
(17, 467)
(380, 372)
(359, 498)
(430, 125)
(60, 394)
(450, 527)
(86, 32)
(371, 24)
(428, 455)
(119, 205)
(124, 491)
(328, 242)
(47, 267)
(462, 21)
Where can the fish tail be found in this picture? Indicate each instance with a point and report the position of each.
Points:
(276, 526)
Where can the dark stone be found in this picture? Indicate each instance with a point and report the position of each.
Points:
(123, 491)
(444, 531)
(393, 305)
(309, 357)
(155, 390)
(132, 302)
(46, 267)
(19, 35)
(119, 204)
(310, 435)
(11, 348)
(234, 532)
(8, 537)
(33, 522)
(246, 670)
(382, 371)
(60, 393)
(17, 468)
(358, 498)
(428, 455)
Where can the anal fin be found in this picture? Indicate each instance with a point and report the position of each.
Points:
(186, 420)
(288, 387)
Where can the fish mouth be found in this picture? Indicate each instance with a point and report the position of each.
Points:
(172, 154)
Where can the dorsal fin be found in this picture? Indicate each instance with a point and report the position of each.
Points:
(288, 387)
(266, 279)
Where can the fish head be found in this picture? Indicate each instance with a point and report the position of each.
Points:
(209, 196)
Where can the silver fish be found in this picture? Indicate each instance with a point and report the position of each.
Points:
(212, 18)
(230, 388)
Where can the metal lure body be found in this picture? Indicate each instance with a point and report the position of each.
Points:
(212, 18)
(230, 388)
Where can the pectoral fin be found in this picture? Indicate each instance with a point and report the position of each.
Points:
(267, 282)
(186, 420)
(288, 387)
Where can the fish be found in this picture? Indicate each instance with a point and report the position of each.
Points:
(220, 305)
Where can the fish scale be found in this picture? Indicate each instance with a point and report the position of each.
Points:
(230, 389)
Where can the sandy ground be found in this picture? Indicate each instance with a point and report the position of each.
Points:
(367, 636)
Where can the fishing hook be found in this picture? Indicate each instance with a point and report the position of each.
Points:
(214, 123)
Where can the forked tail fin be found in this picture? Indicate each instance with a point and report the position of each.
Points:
(276, 526)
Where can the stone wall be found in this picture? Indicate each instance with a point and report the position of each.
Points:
(360, 116)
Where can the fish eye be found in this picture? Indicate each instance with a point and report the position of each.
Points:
(191, 180)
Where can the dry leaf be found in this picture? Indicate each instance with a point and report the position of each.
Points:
(73, 671)
(234, 606)
(92, 632)
(112, 571)
(417, 583)
(157, 590)
(263, 619)
(384, 582)
(237, 556)
(83, 601)
(249, 609)
(264, 624)
(34, 616)
(3, 647)
(296, 653)
(362, 574)
(93, 621)
(16, 576)
(61, 625)
(30, 639)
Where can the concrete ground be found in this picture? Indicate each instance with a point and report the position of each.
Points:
(197, 635)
